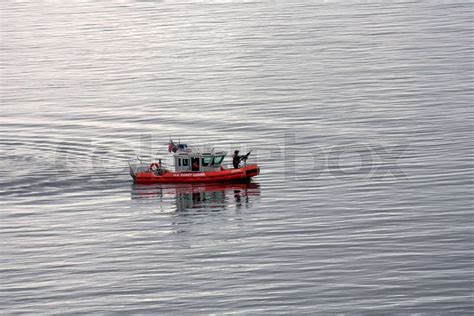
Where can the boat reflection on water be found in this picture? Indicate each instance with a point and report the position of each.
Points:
(209, 197)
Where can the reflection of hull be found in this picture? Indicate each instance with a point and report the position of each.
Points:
(204, 196)
(225, 175)
(159, 190)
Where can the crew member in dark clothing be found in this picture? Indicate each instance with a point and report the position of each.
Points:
(236, 159)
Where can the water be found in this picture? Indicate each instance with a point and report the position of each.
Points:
(359, 115)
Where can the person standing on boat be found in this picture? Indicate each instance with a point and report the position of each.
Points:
(236, 159)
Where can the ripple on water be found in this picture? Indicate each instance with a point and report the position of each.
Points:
(374, 98)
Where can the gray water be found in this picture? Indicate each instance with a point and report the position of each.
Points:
(359, 114)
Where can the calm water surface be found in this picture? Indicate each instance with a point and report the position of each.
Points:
(360, 115)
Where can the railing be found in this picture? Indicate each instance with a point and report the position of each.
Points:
(138, 165)
(230, 165)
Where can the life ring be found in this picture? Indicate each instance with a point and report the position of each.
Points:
(155, 167)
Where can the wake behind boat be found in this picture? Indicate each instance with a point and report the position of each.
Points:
(194, 165)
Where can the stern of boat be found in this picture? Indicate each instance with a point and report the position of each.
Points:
(137, 166)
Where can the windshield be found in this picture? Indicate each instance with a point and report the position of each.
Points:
(217, 160)
(206, 161)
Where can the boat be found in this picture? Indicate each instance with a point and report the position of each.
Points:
(192, 165)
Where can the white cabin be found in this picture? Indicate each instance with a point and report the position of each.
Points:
(187, 159)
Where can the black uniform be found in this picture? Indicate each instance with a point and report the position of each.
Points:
(236, 160)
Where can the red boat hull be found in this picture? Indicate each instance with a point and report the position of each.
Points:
(225, 175)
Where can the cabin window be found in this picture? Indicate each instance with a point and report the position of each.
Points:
(185, 162)
(217, 160)
(206, 161)
(195, 164)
